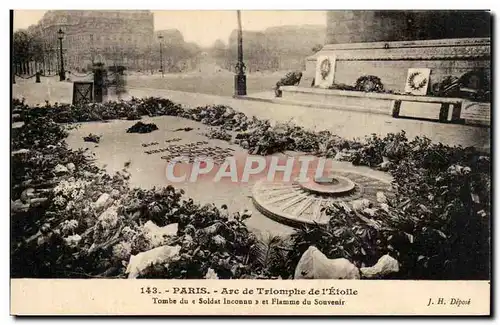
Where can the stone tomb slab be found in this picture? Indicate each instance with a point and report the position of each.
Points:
(116, 147)
(420, 110)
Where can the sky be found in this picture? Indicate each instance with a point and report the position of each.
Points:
(205, 27)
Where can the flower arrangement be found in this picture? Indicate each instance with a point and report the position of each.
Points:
(290, 79)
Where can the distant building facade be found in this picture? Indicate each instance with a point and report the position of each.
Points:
(178, 55)
(276, 48)
(118, 36)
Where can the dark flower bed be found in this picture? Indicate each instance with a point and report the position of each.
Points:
(290, 79)
(436, 224)
(72, 219)
(140, 127)
(219, 134)
(92, 138)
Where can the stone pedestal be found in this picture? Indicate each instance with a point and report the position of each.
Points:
(100, 90)
(240, 85)
(421, 107)
(390, 61)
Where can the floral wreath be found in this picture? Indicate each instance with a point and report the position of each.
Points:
(325, 68)
(369, 83)
(411, 81)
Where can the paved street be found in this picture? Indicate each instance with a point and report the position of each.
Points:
(210, 80)
(216, 82)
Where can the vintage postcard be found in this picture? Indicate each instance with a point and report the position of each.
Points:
(333, 162)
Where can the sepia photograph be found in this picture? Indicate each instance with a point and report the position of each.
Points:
(331, 145)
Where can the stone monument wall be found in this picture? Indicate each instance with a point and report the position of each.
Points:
(362, 26)
(390, 61)
(387, 43)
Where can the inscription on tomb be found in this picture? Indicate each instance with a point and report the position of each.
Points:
(193, 151)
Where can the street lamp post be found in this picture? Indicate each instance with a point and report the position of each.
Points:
(240, 80)
(62, 76)
(50, 59)
(160, 37)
